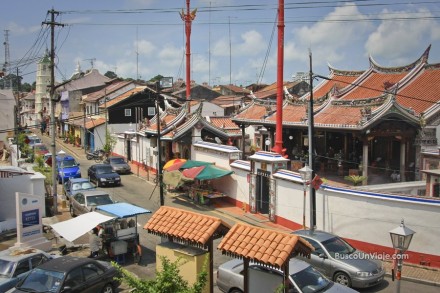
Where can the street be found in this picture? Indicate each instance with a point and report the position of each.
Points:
(145, 194)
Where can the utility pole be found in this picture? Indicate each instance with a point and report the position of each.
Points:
(311, 154)
(52, 24)
(159, 151)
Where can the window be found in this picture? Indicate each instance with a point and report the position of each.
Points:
(318, 249)
(74, 278)
(151, 111)
(127, 112)
(22, 267)
(38, 260)
(91, 270)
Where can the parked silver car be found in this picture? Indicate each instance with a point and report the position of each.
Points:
(340, 261)
(119, 164)
(303, 278)
(15, 264)
(86, 201)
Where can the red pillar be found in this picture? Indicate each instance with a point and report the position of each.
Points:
(188, 18)
(278, 147)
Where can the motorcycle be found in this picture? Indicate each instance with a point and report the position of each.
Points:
(97, 155)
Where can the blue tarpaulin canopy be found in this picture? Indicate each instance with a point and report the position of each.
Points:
(122, 209)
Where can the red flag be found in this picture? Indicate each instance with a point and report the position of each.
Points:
(316, 182)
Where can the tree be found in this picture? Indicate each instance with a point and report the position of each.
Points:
(168, 280)
(156, 78)
(111, 74)
(110, 143)
(26, 87)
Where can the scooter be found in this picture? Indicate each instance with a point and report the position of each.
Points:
(96, 155)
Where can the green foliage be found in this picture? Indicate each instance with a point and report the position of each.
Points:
(168, 280)
(23, 146)
(355, 179)
(111, 74)
(43, 169)
(156, 78)
(110, 143)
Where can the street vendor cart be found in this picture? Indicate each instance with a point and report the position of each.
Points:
(119, 229)
(120, 235)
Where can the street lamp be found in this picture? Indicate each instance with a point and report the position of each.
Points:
(62, 154)
(401, 238)
(306, 176)
(267, 143)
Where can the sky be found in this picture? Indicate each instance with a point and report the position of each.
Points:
(232, 41)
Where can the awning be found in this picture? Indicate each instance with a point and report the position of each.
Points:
(170, 163)
(76, 227)
(191, 163)
(122, 210)
(206, 172)
(175, 178)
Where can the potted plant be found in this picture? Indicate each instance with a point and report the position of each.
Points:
(355, 179)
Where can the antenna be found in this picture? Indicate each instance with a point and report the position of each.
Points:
(92, 60)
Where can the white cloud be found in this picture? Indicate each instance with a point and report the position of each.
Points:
(394, 39)
(171, 55)
(252, 43)
(144, 47)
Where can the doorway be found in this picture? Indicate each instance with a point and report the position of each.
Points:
(262, 192)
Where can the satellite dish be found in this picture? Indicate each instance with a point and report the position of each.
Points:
(218, 140)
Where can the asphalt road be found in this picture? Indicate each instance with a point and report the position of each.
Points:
(138, 191)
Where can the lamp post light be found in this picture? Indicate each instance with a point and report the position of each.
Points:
(267, 143)
(401, 238)
(62, 154)
(306, 176)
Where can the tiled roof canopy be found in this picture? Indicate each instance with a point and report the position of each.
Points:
(264, 246)
(184, 226)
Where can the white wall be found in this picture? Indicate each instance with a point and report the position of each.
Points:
(364, 216)
(30, 184)
(234, 186)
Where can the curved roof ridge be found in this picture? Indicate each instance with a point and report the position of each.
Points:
(334, 70)
(354, 84)
(391, 106)
(398, 69)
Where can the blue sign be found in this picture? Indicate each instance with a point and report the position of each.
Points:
(30, 218)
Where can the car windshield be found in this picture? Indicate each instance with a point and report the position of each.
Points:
(6, 268)
(97, 200)
(69, 163)
(338, 245)
(310, 280)
(117, 161)
(87, 185)
(40, 148)
(40, 280)
(104, 170)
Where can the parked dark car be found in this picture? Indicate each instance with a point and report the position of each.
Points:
(87, 200)
(119, 164)
(70, 274)
(16, 263)
(75, 185)
(303, 278)
(103, 175)
(340, 261)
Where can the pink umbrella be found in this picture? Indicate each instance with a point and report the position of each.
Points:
(193, 172)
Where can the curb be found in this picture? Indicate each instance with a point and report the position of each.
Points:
(414, 280)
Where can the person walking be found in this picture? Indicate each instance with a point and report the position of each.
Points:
(95, 243)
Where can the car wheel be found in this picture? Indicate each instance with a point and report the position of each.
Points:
(343, 279)
(236, 291)
(72, 212)
(107, 289)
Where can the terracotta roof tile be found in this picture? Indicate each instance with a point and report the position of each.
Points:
(337, 81)
(122, 97)
(262, 245)
(423, 92)
(185, 226)
(374, 85)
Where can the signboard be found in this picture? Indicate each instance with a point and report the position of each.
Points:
(29, 217)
